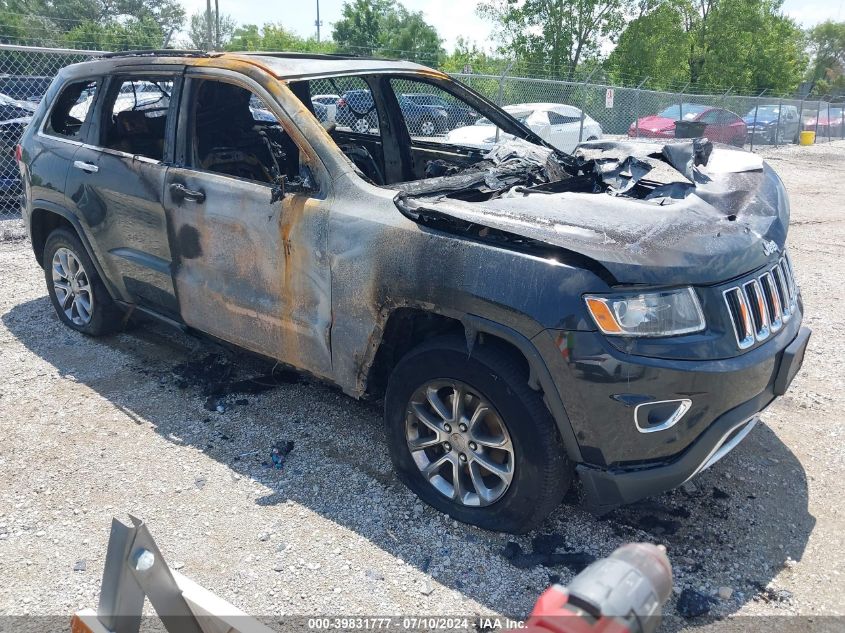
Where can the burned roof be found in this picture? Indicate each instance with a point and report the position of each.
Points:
(283, 64)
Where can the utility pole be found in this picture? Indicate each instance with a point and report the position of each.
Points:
(208, 22)
(318, 23)
(216, 25)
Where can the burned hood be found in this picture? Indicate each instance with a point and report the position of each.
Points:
(652, 216)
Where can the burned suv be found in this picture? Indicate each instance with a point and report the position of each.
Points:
(621, 315)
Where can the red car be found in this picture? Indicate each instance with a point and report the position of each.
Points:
(722, 126)
(831, 122)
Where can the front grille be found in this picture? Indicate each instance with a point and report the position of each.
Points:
(760, 307)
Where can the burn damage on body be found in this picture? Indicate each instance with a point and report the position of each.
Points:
(635, 210)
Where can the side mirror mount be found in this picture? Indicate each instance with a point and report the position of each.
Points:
(282, 186)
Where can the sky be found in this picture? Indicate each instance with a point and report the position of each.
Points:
(452, 18)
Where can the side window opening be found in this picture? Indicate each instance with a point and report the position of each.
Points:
(555, 118)
(236, 134)
(135, 120)
(429, 111)
(71, 109)
(346, 108)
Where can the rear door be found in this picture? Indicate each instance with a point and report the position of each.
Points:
(249, 268)
(118, 182)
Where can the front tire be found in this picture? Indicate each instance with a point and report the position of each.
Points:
(472, 439)
(76, 291)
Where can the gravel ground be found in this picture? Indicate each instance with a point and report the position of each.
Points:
(97, 428)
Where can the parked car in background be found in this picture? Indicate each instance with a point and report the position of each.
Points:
(556, 123)
(355, 109)
(14, 117)
(773, 123)
(457, 115)
(330, 102)
(828, 122)
(721, 126)
(24, 87)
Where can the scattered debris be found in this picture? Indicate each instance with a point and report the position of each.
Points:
(80, 565)
(576, 561)
(178, 565)
(279, 452)
(718, 493)
(200, 482)
(427, 588)
(771, 594)
(725, 593)
(692, 603)
(213, 376)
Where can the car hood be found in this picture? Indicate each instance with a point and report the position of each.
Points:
(655, 122)
(720, 223)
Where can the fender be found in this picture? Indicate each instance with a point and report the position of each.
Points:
(539, 376)
(51, 207)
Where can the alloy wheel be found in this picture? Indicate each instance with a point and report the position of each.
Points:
(72, 287)
(427, 128)
(459, 442)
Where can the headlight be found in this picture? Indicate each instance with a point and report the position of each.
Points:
(664, 313)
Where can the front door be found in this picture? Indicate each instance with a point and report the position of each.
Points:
(247, 269)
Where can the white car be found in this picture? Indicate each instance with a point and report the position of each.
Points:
(557, 123)
(330, 101)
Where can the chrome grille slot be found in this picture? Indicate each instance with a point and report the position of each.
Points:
(761, 306)
(773, 302)
(740, 317)
(758, 309)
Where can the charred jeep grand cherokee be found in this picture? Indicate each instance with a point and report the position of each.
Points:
(622, 314)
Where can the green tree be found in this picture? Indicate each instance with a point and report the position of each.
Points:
(274, 37)
(110, 35)
(713, 44)
(827, 46)
(557, 36)
(52, 22)
(386, 28)
(198, 31)
(654, 47)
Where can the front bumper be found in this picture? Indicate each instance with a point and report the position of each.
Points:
(622, 463)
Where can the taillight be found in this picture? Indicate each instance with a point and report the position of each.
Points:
(18, 153)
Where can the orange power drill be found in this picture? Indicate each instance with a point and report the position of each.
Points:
(623, 593)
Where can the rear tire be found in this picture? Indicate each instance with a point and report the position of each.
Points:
(513, 416)
(76, 291)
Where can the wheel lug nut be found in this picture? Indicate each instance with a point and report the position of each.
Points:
(447, 446)
(473, 445)
(447, 428)
(463, 457)
(463, 428)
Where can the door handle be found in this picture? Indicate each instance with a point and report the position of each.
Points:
(181, 192)
(89, 168)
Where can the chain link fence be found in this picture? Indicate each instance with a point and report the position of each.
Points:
(567, 112)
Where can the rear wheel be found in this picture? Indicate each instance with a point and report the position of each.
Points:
(78, 295)
(472, 439)
(362, 125)
(427, 127)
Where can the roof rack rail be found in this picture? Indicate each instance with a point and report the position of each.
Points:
(159, 52)
(298, 55)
